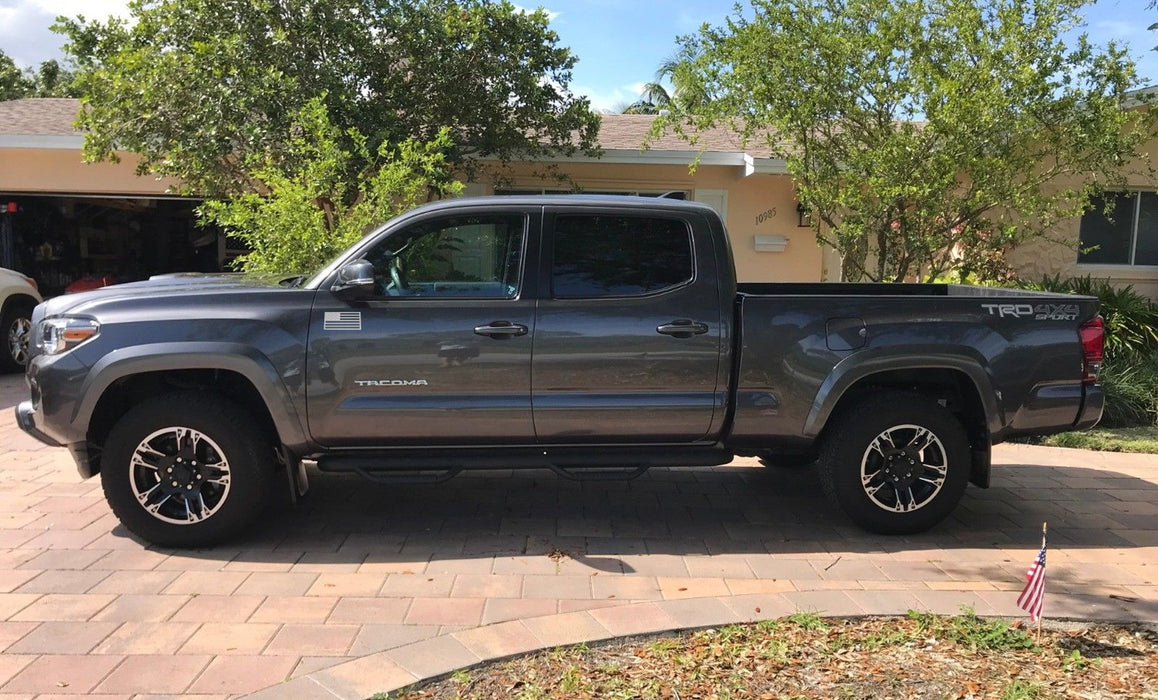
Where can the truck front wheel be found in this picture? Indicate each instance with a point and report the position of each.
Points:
(186, 469)
(895, 463)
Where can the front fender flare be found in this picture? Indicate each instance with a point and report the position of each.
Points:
(161, 357)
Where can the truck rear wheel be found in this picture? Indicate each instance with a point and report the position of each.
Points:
(186, 469)
(896, 463)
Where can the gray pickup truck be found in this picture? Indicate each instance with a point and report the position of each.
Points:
(594, 336)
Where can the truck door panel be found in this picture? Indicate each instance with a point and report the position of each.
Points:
(628, 339)
(442, 353)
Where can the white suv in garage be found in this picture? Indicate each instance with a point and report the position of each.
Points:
(18, 294)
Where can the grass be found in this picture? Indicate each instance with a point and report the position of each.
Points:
(805, 656)
(1144, 440)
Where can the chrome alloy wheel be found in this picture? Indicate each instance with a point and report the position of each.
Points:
(904, 468)
(19, 333)
(179, 475)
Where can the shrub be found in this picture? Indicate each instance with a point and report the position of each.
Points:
(1131, 386)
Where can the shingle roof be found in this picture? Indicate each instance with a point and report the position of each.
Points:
(54, 116)
(39, 116)
(628, 131)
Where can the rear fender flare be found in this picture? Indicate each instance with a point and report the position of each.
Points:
(860, 366)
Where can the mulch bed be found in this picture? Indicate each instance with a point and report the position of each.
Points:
(804, 656)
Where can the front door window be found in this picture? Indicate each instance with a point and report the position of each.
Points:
(472, 257)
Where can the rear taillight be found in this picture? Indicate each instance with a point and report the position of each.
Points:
(1093, 337)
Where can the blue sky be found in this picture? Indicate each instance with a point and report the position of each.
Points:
(619, 42)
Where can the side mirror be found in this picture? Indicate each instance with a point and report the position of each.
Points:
(355, 281)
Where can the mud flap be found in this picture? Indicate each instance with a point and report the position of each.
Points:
(979, 471)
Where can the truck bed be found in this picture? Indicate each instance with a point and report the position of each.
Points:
(803, 346)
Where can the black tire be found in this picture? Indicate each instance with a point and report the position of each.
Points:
(908, 487)
(15, 332)
(217, 462)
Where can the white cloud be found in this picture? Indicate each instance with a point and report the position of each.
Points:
(71, 8)
(24, 25)
(550, 15)
(609, 100)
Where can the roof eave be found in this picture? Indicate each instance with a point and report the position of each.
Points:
(73, 142)
(631, 156)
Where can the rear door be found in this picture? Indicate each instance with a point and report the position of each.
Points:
(628, 336)
(442, 353)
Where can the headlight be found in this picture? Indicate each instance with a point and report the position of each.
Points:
(59, 335)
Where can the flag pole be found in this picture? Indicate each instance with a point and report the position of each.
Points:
(1044, 529)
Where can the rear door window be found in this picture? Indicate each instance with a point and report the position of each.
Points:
(619, 256)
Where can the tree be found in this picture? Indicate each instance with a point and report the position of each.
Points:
(49, 80)
(924, 136)
(13, 83)
(197, 87)
(299, 217)
(52, 80)
(656, 98)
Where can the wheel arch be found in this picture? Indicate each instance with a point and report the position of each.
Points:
(961, 386)
(121, 380)
(16, 301)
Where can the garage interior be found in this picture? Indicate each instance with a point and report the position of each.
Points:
(71, 243)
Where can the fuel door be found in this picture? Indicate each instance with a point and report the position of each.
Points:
(845, 333)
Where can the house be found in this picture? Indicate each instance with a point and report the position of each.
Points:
(62, 219)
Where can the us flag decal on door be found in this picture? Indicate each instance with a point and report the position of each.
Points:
(343, 321)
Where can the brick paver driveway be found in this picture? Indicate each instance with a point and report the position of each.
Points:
(421, 579)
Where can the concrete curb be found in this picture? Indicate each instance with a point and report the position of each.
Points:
(432, 658)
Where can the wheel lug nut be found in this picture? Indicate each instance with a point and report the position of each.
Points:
(189, 487)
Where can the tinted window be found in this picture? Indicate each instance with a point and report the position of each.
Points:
(597, 256)
(1108, 237)
(473, 256)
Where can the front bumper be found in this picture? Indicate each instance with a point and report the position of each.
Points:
(26, 418)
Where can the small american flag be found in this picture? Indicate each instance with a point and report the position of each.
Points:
(1033, 594)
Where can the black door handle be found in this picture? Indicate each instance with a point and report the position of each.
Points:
(501, 330)
(682, 328)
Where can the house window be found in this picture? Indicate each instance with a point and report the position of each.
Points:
(1128, 235)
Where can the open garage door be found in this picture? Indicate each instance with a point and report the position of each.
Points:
(73, 243)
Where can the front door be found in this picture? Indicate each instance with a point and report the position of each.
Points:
(442, 353)
(628, 340)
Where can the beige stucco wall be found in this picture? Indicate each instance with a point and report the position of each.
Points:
(1042, 257)
(62, 171)
(757, 204)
